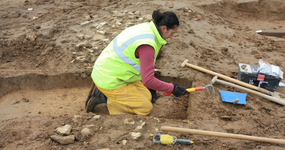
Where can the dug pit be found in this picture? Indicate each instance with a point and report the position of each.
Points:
(65, 95)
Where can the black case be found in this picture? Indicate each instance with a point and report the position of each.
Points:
(249, 74)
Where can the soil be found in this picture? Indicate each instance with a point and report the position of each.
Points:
(48, 48)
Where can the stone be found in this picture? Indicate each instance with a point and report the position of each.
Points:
(76, 118)
(86, 22)
(89, 126)
(124, 142)
(101, 32)
(88, 71)
(88, 17)
(64, 130)
(128, 121)
(86, 132)
(63, 139)
(140, 126)
(99, 26)
(83, 44)
(96, 117)
(135, 135)
(80, 36)
(105, 40)
(81, 59)
(137, 13)
(32, 36)
(93, 59)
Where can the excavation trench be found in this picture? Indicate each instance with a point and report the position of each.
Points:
(65, 94)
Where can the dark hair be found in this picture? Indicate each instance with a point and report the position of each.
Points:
(167, 18)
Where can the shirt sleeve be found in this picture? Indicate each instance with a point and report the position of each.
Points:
(146, 55)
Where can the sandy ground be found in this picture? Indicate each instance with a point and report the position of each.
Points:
(47, 54)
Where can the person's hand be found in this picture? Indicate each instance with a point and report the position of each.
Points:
(179, 90)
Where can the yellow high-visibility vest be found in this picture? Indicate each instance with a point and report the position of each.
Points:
(117, 65)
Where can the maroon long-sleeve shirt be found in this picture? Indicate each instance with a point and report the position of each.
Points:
(146, 55)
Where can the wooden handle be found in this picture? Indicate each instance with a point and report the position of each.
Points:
(220, 134)
(228, 78)
(274, 99)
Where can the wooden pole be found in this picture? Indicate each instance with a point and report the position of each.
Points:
(220, 134)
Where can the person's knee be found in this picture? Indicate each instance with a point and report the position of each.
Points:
(145, 110)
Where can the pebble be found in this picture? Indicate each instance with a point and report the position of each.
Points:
(97, 117)
(128, 121)
(86, 132)
(64, 130)
(64, 139)
(136, 135)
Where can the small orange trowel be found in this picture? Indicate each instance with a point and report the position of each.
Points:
(209, 86)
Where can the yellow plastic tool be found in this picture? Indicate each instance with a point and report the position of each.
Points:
(168, 139)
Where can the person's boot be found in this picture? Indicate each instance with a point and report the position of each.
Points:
(95, 97)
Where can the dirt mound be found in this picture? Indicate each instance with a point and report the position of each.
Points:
(249, 9)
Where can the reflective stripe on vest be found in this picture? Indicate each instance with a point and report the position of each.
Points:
(119, 49)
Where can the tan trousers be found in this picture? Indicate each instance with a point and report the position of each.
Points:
(133, 98)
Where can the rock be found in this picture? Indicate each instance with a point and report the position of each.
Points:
(136, 135)
(128, 121)
(93, 59)
(83, 75)
(96, 117)
(64, 130)
(124, 142)
(140, 126)
(32, 37)
(105, 40)
(81, 59)
(83, 44)
(130, 24)
(88, 17)
(137, 13)
(86, 22)
(80, 36)
(86, 132)
(84, 135)
(76, 118)
(88, 126)
(90, 50)
(101, 32)
(85, 65)
(63, 139)
(99, 26)
(88, 71)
